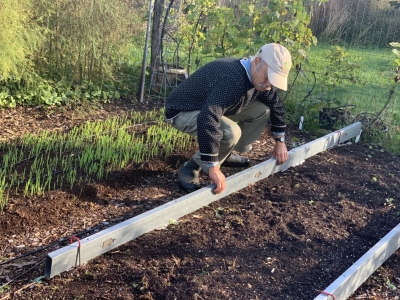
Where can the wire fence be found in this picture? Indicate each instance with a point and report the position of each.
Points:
(351, 67)
(167, 71)
(369, 90)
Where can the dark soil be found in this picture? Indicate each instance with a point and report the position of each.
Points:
(287, 237)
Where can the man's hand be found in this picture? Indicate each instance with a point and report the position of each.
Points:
(218, 178)
(280, 152)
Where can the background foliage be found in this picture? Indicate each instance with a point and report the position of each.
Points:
(344, 67)
(209, 30)
(65, 51)
(368, 23)
(19, 36)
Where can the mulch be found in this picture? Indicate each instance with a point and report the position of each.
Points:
(288, 236)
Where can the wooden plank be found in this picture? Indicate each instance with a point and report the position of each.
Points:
(353, 277)
(106, 240)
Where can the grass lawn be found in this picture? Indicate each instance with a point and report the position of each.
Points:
(369, 90)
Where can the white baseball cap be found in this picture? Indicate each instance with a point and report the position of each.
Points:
(279, 62)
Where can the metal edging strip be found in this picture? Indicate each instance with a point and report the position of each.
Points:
(90, 247)
(354, 276)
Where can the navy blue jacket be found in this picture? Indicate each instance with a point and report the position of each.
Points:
(220, 88)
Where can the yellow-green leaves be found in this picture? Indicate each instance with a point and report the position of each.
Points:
(19, 36)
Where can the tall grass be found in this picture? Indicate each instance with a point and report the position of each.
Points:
(20, 37)
(85, 38)
(366, 23)
(54, 52)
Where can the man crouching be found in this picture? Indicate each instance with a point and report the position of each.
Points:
(227, 103)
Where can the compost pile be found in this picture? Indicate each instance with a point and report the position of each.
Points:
(288, 236)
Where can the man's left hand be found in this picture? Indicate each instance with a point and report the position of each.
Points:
(280, 152)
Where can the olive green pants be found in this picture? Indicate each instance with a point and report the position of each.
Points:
(238, 131)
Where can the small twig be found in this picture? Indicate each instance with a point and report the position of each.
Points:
(6, 297)
(15, 278)
(197, 295)
(128, 166)
(391, 92)
(20, 290)
(146, 180)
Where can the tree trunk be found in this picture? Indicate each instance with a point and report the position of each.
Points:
(155, 40)
(156, 33)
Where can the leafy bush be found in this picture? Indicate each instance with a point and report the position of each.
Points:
(208, 30)
(63, 51)
(337, 70)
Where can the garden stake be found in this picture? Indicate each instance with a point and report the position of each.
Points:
(78, 254)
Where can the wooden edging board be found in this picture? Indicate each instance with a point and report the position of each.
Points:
(92, 246)
(363, 268)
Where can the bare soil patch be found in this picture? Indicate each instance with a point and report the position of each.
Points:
(287, 237)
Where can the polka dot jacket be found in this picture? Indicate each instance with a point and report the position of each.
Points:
(220, 88)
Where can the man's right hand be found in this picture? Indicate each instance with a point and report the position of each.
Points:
(218, 178)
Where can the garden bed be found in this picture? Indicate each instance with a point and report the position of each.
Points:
(286, 237)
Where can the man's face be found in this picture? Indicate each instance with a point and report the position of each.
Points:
(259, 75)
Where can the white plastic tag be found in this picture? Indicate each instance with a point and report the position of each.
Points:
(301, 123)
(358, 137)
